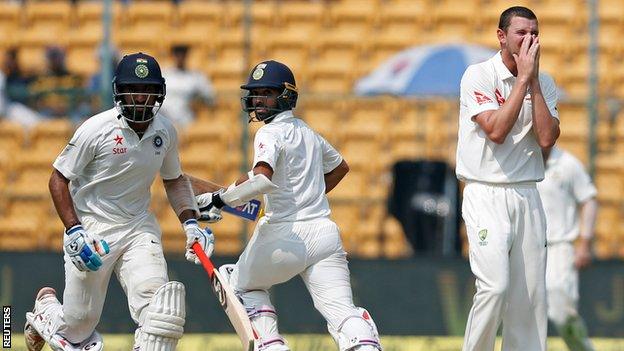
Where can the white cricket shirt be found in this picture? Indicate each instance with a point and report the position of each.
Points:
(300, 158)
(485, 86)
(565, 187)
(182, 87)
(111, 170)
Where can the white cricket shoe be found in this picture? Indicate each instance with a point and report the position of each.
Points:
(34, 341)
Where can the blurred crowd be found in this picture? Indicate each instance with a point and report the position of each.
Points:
(56, 92)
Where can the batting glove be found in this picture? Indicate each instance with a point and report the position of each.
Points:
(208, 212)
(194, 233)
(84, 250)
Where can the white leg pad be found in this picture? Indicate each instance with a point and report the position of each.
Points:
(357, 332)
(163, 324)
(264, 321)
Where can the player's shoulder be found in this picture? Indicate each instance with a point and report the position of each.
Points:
(100, 121)
(163, 122)
(569, 161)
(546, 80)
(478, 71)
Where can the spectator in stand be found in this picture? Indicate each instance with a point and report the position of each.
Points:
(14, 93)
(183, 86)
(58, 92)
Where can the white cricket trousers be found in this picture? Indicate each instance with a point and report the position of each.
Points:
(506, 230)
(136, 257)
(562, 283)
(312, 249)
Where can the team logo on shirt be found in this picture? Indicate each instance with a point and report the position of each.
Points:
(481, 98)
(158, 142)
(499, 97)
(482, 236)
(119, 150)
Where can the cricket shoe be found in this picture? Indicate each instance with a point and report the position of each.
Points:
(34, 341)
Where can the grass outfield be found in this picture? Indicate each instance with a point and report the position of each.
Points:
(309, 342)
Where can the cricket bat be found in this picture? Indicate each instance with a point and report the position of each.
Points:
(247, 211)
(233, 308)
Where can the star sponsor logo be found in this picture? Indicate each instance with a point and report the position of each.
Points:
(119, 150)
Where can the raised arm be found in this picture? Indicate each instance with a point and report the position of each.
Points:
(498, 123)
(545, 125)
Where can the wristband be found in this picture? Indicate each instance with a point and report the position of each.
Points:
(216, 200)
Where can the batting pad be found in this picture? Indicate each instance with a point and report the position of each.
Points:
(164, 321)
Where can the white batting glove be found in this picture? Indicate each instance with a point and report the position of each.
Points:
(85, 250)
(207, 211)
(194, 233)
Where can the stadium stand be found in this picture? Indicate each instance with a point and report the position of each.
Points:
(329, 44)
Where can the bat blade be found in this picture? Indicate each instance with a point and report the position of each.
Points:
(234, 309)
(248, 211)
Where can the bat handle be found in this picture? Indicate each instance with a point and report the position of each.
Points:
(205, 261)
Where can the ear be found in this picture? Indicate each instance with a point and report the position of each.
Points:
(502, 36)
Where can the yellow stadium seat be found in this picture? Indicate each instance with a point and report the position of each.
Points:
(361, 13)
(352, 187)
(412, 12)
(30, 183)
(302, 13)
(394, 244)
(16, 234)
(263, 13)
(89, 13)
(10, 21)
(157, 15)
(12, 135)
(48, 15)
(200, 13)
(60, 128)
(450, 12)
(611, 11)
(141, 39)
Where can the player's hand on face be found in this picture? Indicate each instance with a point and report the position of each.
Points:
(536, 56)
(84, 250)
(207, 211)
(526, 57)
(194, 233)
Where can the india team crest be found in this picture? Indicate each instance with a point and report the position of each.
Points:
(141, 71)
(483, 233)
(259, 71)
(158, 142)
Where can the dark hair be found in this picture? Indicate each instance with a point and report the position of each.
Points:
(515, 11)
(179, 49)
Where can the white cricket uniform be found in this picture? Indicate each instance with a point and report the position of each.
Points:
(296, 235)
(111, 171)
(503, 214)
(182, 87)
(565, 187)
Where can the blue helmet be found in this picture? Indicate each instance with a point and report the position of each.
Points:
(272, 75)
(140, 69)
